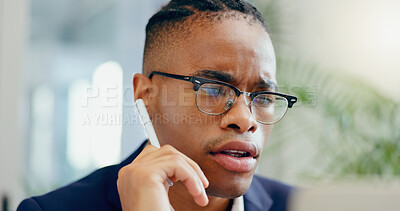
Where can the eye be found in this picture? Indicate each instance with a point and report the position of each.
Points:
(212, 90)
(264, 100)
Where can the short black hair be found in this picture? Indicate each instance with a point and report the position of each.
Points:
(176, 17)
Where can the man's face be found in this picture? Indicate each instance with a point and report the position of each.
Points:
(240, 54)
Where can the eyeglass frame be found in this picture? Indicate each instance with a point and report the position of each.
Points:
(198, 81)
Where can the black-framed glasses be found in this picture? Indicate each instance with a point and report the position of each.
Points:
(216, 97)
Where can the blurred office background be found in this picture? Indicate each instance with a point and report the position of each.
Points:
(66, 97)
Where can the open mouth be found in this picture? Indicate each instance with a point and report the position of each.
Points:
(234, 153)
(236, 156)
(237, 149)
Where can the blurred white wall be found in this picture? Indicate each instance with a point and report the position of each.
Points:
(356, 37)
(13, 22)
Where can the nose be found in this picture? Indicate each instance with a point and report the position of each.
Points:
(239, 117)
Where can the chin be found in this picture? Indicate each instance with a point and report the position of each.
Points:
(229, 188)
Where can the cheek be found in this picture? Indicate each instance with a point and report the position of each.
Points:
(174, 114)
(176, 95)
(262, 134)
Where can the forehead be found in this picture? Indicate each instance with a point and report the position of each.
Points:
(241, 49)
(232, 46)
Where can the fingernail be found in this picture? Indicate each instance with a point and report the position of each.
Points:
(206, 183)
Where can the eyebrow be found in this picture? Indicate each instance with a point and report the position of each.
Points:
(217, 75)
(268, 84)
(264, 82)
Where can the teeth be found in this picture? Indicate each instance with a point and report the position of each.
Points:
(236, 153)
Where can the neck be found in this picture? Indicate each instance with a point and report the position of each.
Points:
(180, 199)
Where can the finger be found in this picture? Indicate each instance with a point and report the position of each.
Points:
(198, 170)
(182, 171)
(194, 165)
(166, 186)
(146, 152)
(173, 179)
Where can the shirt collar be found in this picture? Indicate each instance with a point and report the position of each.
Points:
(238, 204)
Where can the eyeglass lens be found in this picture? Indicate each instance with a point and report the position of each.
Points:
(216, 99)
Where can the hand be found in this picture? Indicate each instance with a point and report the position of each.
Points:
(142, 184)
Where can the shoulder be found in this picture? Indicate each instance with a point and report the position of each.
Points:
(97, 191)
(85, 194)
(29, 204)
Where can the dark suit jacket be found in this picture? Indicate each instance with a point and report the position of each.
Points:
(98, 192)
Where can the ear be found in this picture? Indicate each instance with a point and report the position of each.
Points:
(142, 88)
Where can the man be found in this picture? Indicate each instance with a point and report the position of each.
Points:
(209, 85)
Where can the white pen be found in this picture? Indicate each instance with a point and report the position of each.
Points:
(144, 117)
(146, 122)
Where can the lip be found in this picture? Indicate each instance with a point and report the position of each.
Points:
(249, 147)
(237, 164)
